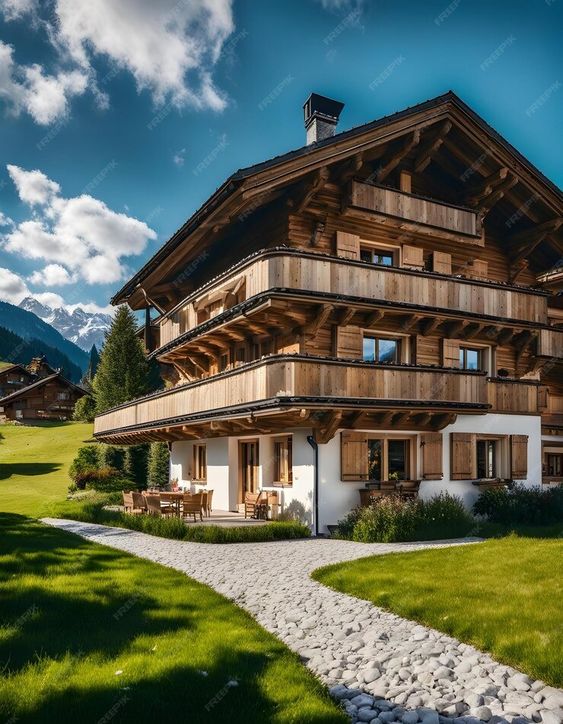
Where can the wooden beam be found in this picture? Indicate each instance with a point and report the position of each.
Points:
(431, 325)
(456, 327)
(316, 185)
(410, 321)
(396, 159)
(427, 153)
(352, 168)
(325, 433)
(479, 191)
(505, 336)
(311, 329)
(373, 318)
(346, 316)
(489, 202)
(472, 330)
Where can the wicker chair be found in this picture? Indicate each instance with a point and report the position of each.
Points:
(254, 505)
(139, 503)
(191, 506)
(169, 504)
(153, 504)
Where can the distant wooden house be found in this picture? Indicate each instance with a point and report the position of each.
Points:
(50, 397)
(13, 378)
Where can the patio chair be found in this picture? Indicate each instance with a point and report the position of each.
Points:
(191, 506)
(139, 503)
(209, 502)
(254, 505)
(127, 502)
(169, 504)
(203, 494)
(153, 504)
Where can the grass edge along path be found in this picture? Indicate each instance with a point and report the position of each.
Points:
(140, 642)
(502, 596)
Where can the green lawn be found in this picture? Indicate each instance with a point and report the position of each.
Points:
(34, 463)
(88, 632)
(503, 596)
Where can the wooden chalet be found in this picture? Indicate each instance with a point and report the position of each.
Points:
(47, 395)
(378, 306)
(13, 378)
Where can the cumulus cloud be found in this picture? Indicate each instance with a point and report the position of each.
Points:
(80, 236)
(27, 88)
(169, 47)
(12, 287)
(53, 275)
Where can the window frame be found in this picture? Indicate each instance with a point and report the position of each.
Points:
(487, 441)
(377, 338)
(381, 250)
(199, 462)
(279, 443)
(411, 457)
(480, 351)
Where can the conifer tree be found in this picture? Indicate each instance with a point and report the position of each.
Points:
(159, 464)
(123, 371)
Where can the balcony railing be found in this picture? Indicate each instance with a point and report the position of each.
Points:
(303, 381)
(416, 209)
(515, 396)
(551, 343)
(322, 274)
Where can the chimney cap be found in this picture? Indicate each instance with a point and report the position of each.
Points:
(317, 106)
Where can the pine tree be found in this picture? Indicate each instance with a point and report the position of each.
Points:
(84, 409)
(123, 371)
(159, 465)
(92, 364)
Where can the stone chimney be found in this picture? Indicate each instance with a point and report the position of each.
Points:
(321, 117)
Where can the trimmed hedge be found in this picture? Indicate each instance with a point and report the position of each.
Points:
(521, 505)
(392, 519)
(91, 509)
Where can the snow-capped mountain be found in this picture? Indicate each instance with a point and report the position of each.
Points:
(82, 328)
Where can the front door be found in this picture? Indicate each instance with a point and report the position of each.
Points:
(248, 468)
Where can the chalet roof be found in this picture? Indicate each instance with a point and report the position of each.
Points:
(236, 180)
(15, 366)
(39, 383)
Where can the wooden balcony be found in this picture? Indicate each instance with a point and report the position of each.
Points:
(282, 382)
(515, 396)
(410, 210)
(322, 275)
(551, 343)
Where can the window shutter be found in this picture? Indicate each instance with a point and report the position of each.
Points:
(413, 257)
(478, 269)
(463, 461)
(441, 262)
(347, 245)
(349, 342)
(450, 353)
(432, 455)
(518, 457)
(354, 456)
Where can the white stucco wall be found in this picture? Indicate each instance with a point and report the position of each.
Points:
(336, 498)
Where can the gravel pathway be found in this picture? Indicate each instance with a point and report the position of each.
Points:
(383, 668)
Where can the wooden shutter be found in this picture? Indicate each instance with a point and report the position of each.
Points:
(463, 456)
(432, 455)
(450, 353)
(441, 262)
(347, 245)
(518, 457)
(354, 456)
(413, 257)
(478, 269)
(349, 342)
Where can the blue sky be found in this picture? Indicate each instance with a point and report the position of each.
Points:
(120, 117)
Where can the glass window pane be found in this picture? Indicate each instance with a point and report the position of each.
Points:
(472, 357)
(369, 349)
(397, 463)
(462, 358)
(365, 255)
(385, 259)
(387, 350)
(375, 451)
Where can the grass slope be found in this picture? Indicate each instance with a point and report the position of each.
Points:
(34, 461)
(503, 596)
(92, 634)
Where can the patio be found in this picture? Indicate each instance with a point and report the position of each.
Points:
(229, 519)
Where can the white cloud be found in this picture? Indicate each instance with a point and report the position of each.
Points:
(49, 299)
(335, 6)
(33, 186)
(80, 236)
(170, 47)
(12, 287)
(28, 88)
(5, 220)
(53, 275)
(92, 308)
(179, 158)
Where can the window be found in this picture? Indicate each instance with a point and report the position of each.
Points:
(486, 459)
(200, 462)
(555, 465)
(381, 349)
(388, 459)
(63, 396)
(470, 358)
(283, 462)
(373, 255)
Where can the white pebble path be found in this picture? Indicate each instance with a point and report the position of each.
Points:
(382, 668)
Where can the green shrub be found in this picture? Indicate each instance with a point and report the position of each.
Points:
(86, 459)
(90, 508)
(84, 409)
(111, 456)
(135, 464)
(521, 505)
(102, 479)
(158, 464)
(391, 518)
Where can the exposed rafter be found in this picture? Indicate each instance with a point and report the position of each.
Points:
(427, 153)
(396, 159)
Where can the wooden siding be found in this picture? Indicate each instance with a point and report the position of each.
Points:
(299, 378)
(413, 208)
(551, 343)
(517, 397)
(315, 273)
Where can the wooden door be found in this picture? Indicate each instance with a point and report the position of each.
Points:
(248, 468)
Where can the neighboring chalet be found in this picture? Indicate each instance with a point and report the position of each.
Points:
(375, 309)
(36, 392)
